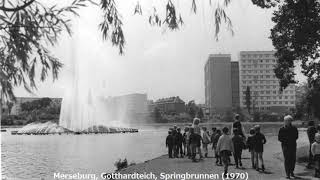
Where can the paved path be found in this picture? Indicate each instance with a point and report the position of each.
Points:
(274, 166)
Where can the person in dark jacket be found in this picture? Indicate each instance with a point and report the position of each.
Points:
(237, 125)
(288, 136)
(170, 143)
(259, 141)
(311, 132)
(250, 144)
(214, 146)
(238, 146)
(179, 141)
(175, 137)
(193, 140)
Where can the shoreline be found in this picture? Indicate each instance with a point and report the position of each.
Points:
(272, 158)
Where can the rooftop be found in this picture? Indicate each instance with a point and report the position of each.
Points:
(170, 100)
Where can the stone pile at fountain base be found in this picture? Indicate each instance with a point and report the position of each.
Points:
(53, 128)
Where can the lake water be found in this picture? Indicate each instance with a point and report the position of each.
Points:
(29, 156)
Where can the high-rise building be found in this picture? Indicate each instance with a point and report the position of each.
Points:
(256, 72)
(218, 88)
(130, 107)
(235, 85)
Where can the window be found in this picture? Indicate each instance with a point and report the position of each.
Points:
(285, 97)
(268, 102)
(261, 61)
(286, 102)
(244, 66)
(261, 66)
(280, 102)
(267, 60)
(244, 61)
(292, 102)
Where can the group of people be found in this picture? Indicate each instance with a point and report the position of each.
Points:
(225, 145)
(189, 143)
(313, 133)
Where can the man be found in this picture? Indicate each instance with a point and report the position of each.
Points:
(311, 132)
(288, 136)
(237, 125)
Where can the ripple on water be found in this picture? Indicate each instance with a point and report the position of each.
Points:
(27, 157)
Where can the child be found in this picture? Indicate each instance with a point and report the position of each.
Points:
(259, 140)
(170, 143)
(213, 134)
(250, 144)
(188, 142)
(197, 131)
(238, 146)
(315, 150)
(225, 148)
(193, 140)
(205, 141)
(214, 146)
(179, 143)
(184, 142)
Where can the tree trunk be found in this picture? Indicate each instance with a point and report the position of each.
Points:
(0, 105)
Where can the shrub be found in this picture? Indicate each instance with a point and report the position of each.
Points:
(120, 164)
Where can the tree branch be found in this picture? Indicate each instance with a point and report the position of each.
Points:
(17, 8)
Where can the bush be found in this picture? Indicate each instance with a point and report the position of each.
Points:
(266, 117)
(120, 164)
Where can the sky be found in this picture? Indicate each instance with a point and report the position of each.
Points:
(157, 61)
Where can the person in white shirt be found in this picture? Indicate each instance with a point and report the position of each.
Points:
(315, 150)
(225, 148)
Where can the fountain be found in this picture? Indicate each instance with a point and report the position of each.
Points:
(43, 128)
(85, 108)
